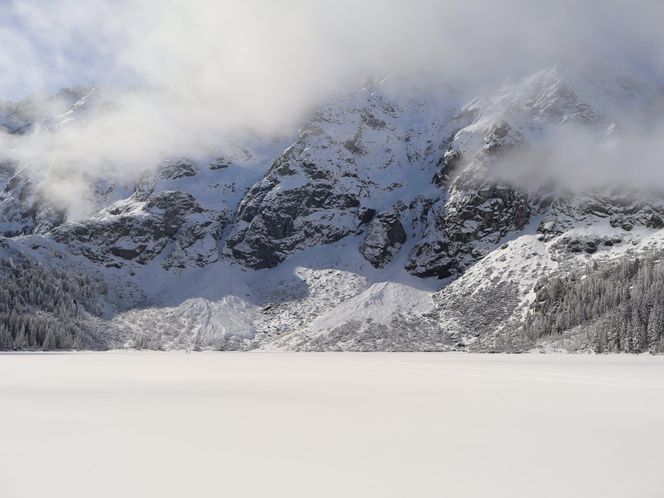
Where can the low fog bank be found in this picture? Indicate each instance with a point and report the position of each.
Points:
(576, 159)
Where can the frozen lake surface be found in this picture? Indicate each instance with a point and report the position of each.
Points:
(161, 425)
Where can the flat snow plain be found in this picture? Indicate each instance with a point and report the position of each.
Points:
(161, 425)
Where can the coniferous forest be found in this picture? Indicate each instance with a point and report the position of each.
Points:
(619, 304)
(47, 310)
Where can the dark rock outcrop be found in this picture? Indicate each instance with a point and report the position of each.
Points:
(172, 224)
(383, 239)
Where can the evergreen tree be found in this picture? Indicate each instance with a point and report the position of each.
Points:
(655, 325)
(620, 305)
(20, 341)
(44, 308)
(49, 341)
(6, 339)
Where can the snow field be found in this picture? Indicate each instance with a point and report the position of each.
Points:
(330, 425)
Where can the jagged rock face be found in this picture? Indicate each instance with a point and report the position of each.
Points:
(347, 161)
(153, 222)
(297, 204)
(469, 227)
(476, 213)
(174, 213)
(621, 210)
(383, 239)
(569, 245)
(478, 210)
(171, 224)
(174, 170)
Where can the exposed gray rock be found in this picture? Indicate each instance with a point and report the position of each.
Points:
(172, 170)
(321, 187)
(383, 239)
(171, 223)
(477, 211)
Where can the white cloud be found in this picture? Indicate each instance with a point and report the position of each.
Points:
(217, 67)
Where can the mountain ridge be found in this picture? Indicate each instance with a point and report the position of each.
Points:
(385, 224)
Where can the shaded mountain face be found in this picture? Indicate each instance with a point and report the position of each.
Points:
(384, 224)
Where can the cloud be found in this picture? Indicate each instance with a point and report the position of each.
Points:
(207, 71)
(577, 159)
(261, 48)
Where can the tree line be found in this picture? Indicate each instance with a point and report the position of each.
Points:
(46, 309)
(620, 304)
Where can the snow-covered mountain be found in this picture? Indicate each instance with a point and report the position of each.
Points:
(385, 224)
